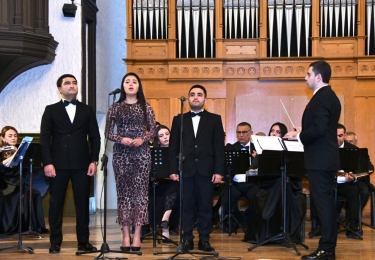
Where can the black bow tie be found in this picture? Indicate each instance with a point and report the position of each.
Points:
(243, 147)
(73, 102)
(196, 114)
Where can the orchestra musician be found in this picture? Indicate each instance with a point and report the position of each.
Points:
(239, 186)
(353, 187)
(9, 191)
(169, 191)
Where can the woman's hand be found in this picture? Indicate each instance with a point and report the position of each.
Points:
(137, 142)
(127, 141)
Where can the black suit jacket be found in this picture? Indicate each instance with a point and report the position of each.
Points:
(319, 131)
(65, 144)
(203, 153)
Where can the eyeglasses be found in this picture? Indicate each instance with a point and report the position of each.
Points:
(242, 132)
(277, 131)
(340, 135)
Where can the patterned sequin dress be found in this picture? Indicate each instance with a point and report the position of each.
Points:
(131, 164)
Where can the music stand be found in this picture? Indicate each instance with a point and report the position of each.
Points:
(159, 170)
(285, 159)
(17, 160)
(237, 162)
(30, 156)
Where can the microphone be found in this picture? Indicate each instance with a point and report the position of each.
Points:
(116, 91)
(182, 98)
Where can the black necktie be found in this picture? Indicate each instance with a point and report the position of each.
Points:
(196, 114)
(243, 147)
(73, 102)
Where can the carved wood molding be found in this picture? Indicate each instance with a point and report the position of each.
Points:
(261, 69)
(24, 39)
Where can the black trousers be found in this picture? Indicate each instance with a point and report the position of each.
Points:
(197, 204)
(350, 192)
(247, 189)
(57, 190)
(322, 187)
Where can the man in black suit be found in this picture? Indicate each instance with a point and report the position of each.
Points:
(203, 165)
(240, 187)
(66, 128)
(349, 189)
(318, 136)
(353, 187)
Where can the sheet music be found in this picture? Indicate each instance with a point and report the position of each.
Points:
(18, 156)
(271, 143)
(293, 146)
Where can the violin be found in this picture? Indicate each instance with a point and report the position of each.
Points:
(7, 150)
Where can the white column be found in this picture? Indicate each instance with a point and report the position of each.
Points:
(195, 9)
(211, 7)
(307, 24)
(279, 17)
(298, 24)
(289, 18)
(242, 14)
(271, 10)
(187, 8)
(204, 8)
(179, 25)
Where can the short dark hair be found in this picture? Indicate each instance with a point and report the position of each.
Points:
(244, 124)
(201, 87)
(60, 80)
(323, 68)
(340, 126)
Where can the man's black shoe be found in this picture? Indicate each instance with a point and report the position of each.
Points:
(188, 245)
(205, 246)
(86, 247)
(55, 249)
(319, 255)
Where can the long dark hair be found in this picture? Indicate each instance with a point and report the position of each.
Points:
(140, 95)
(283, 128)
(157, 133)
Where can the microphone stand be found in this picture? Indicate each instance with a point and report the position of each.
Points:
(30, 232)
(104, 249)
(181, 248)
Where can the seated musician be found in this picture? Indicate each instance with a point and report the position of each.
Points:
(168, 191)
(364, 185)
(241, 187)
(267, 215)
(9, 191)
(352, 188)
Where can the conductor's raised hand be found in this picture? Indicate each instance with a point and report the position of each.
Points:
(49, 171)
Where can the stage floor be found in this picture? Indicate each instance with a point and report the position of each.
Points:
(228, 247)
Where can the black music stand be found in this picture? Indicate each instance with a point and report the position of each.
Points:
(159, 169)
(17, 160)
(275, 160)
(237, 162)
(31, 156)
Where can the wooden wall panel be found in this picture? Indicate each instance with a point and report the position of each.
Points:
(364, 108)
